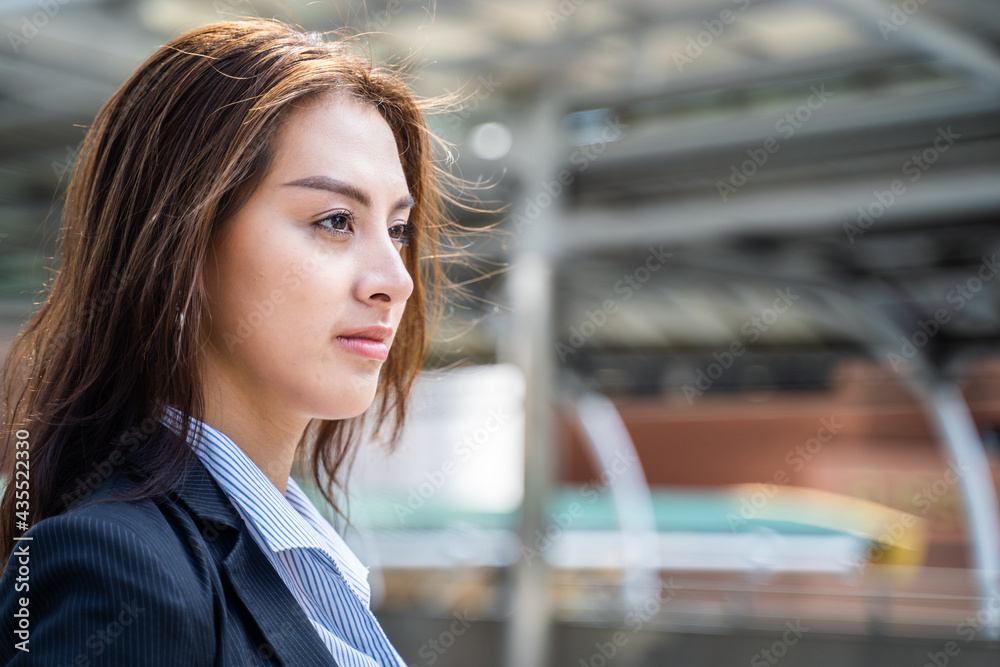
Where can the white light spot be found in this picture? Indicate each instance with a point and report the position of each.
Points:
(490, 141)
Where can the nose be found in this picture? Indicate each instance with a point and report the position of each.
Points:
(383, 277)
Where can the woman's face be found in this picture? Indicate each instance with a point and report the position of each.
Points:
(306, 284)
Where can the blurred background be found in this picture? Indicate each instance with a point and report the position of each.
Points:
(723, 386)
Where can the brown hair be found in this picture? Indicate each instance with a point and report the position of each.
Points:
(176, 151)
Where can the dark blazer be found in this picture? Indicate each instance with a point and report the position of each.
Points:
(176, 581)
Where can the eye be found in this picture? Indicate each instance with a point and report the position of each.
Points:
(402, 233)
(340, 222)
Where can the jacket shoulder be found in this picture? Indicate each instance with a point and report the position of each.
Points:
(108, 578)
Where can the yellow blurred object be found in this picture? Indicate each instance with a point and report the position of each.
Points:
(897, 537)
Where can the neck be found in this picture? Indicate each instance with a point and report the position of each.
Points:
(270, 442)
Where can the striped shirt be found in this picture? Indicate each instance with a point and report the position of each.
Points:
(321, 571)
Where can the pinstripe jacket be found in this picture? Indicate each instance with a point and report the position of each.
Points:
(175, 581)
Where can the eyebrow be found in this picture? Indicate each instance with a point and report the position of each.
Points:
(348, 190)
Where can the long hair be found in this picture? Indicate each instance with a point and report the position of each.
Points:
(174, 153)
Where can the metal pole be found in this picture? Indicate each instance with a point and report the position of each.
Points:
(950, 417)
(615, 455)
(528, 640)
(529, 345)
(950, 413)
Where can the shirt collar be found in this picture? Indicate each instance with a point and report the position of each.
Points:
(284, 522)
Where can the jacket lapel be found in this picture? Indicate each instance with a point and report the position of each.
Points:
(289, 633)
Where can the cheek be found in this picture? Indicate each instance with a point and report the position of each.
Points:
(256, 279)
(396, 314)
(322, 281)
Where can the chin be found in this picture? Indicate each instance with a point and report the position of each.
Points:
(346, 405)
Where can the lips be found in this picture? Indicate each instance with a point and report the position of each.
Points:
(368, 342)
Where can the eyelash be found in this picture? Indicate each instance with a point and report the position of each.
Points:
(406, 229)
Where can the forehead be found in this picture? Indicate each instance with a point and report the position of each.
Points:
(337, 135)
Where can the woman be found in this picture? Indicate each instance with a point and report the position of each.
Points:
(247, 259)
